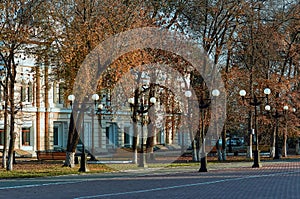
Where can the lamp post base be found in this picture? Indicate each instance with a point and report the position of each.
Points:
(83, 167)
(203, 167)
(143, 165)
(256, 163)
(276, 157)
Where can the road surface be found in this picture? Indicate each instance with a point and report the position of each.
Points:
(273, 180)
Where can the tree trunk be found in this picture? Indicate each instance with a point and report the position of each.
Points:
(224, 144)
(149, 147)
(47, 136)
(135, 143)
(250, 134)
(38, 106)
(284, 147)
(12, 120)
(273, 141)
(11, 143)
(73, 137)
(194, 151)
(10, 162)
(219, 149)
(70, 159)
(150, 142)
(135, 128)
(4, 155)
(150, 129)
(193, 145)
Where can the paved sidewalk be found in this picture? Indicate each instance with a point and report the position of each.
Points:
(213, 166)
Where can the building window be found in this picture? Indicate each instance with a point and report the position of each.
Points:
(30, 92)
(1, 136)
(23, 92)
(55, 136)
(27, 92)
(26, 136)
(107, 135)
(126, 137)
(60, 94)
(55, 92)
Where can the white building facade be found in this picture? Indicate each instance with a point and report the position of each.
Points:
(42, 122)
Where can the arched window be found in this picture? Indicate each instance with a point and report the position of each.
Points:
(26, 89)
(30, 92)
(23, 91)
(58, 93)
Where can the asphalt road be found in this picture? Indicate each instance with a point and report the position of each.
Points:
(273, 180)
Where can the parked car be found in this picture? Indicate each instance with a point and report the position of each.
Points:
(232, 142)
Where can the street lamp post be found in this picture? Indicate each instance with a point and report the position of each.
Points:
(95, 98)
(277, 115)
(99, 112)
(203, 105)
(254, 101)
(83, 158)
(83, 166)
(142, 110)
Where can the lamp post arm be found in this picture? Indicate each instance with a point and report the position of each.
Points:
(254, 101)
(204, 106)
(277, 115)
